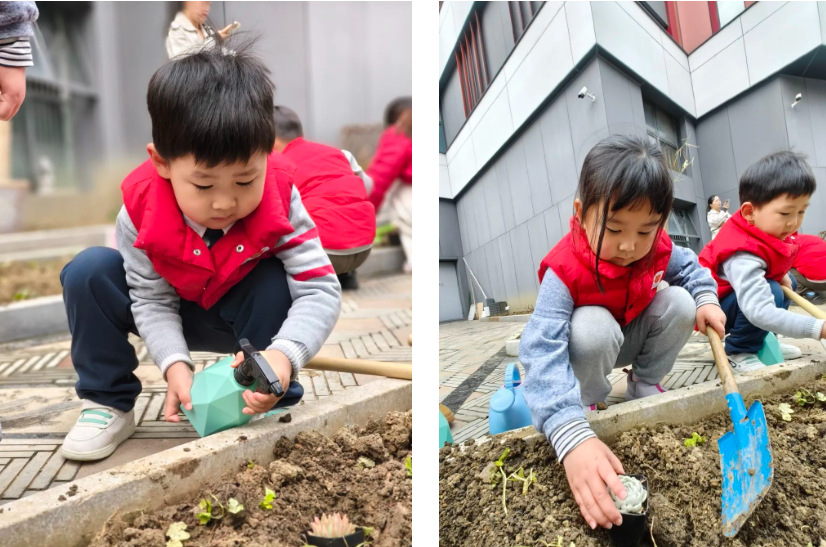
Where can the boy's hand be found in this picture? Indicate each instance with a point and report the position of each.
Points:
(590, 467)
(259, 401)
(786, 281)
(179, 383)
(713, 316)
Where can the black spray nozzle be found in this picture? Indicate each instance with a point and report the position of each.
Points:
(255, 367)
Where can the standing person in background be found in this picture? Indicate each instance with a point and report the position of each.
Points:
(191, 29)
(16, 20)
(717, 215)
(16, 29)
(333, 194)
(394, 160)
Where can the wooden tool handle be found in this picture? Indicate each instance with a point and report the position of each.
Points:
(813, 310)
(723, 366)
(403, 371)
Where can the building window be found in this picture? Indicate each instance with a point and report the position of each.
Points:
(662, 130)
(681, 229)
(59, 100)
(692, 23)
(470, 62)
(521, 15)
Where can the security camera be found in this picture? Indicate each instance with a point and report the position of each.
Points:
(797, 99)
(584, 93)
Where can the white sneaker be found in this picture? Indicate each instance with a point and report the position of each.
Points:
(98, 432)
(744, 362)
(637, 389)
(790, 352)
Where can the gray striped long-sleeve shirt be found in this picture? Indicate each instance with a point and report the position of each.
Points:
(16, 19)
(316, 298)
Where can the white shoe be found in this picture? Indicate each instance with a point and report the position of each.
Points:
(98, 432)
(790, 352)
(744, 362)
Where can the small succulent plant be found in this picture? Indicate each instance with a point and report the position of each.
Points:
(634, 502)
(333, 526)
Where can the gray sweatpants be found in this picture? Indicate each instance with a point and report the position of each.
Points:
(651, 342)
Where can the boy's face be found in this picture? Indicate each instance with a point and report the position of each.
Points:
(780, 217)
(629, 234)
(214, 197)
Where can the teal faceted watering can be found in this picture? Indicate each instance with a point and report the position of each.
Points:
(216, 392)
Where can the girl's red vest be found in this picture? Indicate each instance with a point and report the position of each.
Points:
(334, 197)
(628, 289)
(182, 257)
(738, 235)
(811, 260)
(393, 160)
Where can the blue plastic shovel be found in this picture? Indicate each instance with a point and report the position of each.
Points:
(745, 453)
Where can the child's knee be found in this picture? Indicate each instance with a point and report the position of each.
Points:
(594, 331)
(89, 267)
(682, 309)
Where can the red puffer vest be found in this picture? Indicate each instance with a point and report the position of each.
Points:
(181, 256)
(738, 235)
(393, 160)
(334, 197)
(628, 289)
(811, 260)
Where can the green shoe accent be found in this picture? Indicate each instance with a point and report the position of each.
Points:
(92, 421)
(98, 412)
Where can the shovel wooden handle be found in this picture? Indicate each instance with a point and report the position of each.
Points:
(813, 310)
(403, 371)
(723, 366)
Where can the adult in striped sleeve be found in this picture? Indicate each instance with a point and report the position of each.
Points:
(214, 245)
(16, 29)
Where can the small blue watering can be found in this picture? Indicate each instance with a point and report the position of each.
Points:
(507, 406)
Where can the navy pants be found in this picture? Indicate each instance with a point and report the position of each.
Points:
(100, 319)
(743, 337)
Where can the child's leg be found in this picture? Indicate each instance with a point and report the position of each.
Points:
(593, 346)
(254, 309)
(743, 337)
(100, 319)
(654, 339)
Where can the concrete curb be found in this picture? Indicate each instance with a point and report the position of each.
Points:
(512, 344)
(33, 318)
(84, 236)
(174, 475)
(524, 318)
(690, 404)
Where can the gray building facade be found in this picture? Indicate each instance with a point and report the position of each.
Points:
(510, 164)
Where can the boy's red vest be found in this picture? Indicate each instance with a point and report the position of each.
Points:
(628, 289)
(738, 235)
(182, 257)
(811, 260)
(334, 197)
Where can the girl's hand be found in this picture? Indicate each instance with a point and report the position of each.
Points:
(179, 384)
(711, 315)
(590, 467)
(260, 401)
(786, 281)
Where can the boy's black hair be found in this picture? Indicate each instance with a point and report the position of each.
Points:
(215, 104)
(395, 108)
(625, 171)
(779, 173)
(287, 124)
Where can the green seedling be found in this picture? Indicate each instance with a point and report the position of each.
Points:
(266, 503)
(206, 514)
(363, 463)
(234, 507)
(804, 397)
(820, 397)
(23, 294)
(408, 464)
(250, 464)
(786, 411)
(498, 473)
(696, 439)
(177, 534)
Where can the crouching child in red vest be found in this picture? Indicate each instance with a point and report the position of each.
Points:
(333, 188)
(214, 245)
(810, 265)
(751, 257)
(599, 308)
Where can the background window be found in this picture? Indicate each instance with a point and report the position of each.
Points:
(662, 129)
(682, 231)
(727, 11)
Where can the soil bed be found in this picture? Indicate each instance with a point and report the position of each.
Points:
(27, 280)
(685, 487)
(310, 476)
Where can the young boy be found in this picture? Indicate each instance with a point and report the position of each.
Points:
(335, 197)
(751, 257)
(214, 246)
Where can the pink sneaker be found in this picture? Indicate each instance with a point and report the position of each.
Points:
(637, 389)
